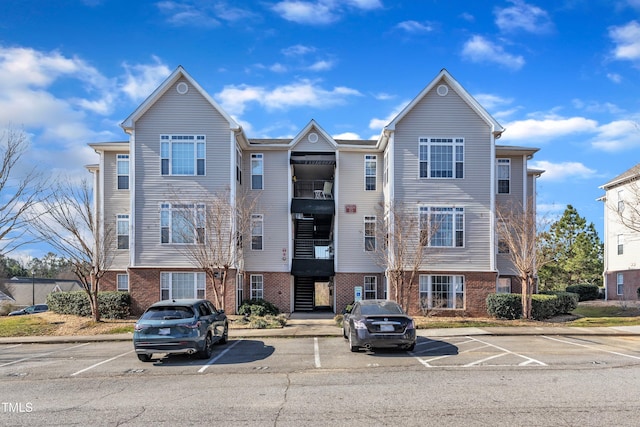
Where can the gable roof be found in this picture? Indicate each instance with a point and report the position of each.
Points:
(497, 129)
(179, 72)
(626, 176)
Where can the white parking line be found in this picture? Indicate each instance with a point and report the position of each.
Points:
(11, 346)
(212, 361)
(528, 359)
(592, 347)
(425, 362)
(100, 363)
(35, 356)
(316, 352)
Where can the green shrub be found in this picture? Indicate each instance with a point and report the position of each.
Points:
(504, 306)
(567, 302)
(257, 307)
(113, 305)
(587, 292)
(543, 306)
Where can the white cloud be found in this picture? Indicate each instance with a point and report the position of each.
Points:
(548, 128)
(627, 40)
(479, 49)
(490, 101)
(347, 135)
(415, 26)
(234, 99)
(614, 77)
(142, 79)
(618, 135)
(201, 13)
(523, 16)
(321, 65)
(378, 124)
(298, 50)
(320, 12)
(563, 170)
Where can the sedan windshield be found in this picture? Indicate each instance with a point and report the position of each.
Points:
(168, 313)
(386, 308)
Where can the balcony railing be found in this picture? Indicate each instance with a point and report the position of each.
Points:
(313, 249)
(310, 189)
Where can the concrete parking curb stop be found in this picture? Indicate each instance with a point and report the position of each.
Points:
(297, 328)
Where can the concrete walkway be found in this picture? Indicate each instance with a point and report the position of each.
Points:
(321, 325)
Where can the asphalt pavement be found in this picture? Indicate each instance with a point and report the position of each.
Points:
(323, 325)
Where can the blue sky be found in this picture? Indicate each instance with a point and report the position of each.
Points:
(560, 75)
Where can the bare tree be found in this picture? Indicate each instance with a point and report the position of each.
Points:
(19, 192)
(215, 227)
(521, 239)
(74, 230)
(402, 243)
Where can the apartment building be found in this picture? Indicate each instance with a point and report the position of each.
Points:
(313, 231)
(622, 236)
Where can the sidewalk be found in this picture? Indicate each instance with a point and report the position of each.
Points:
(322, 327)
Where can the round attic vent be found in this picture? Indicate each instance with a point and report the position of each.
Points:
(442, 90)
(182, 88)
(312, 137)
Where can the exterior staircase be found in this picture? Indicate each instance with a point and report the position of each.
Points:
(304, 239)
(304, 293)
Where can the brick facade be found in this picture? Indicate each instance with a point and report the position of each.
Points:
(631, 283)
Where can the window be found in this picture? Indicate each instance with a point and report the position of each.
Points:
(370, 287)
(239, 166)
(256, 232)
(123, 282)
(442, 292)
(442, 226)
(369, 233)
(182, 285)
(503, 175)
(620, 284)
(182, 154)
(182, 223)
(122, 168)
(123, 231)
(257, 286)
(441, 157)
(620, 201)
(504, 285)
(370, 174)
(257, 171)
(620, 244)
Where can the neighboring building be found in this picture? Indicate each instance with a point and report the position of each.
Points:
(26, 291)
(621, 242)
(319, 197)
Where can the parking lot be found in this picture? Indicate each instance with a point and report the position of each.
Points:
(99, 359)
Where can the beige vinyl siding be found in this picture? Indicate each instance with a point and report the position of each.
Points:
(321, 145)
(515, 198)
(628, 260)
(273, 204)
(449, 116)
(173, 113)
(118, 203)
(351, 256)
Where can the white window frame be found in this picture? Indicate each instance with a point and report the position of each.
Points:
(619, 284)
(455, 295)
(370, 287)
(426, 158)
(171, 163)
(256, 290)
(257, 170)
(503, 286)
(168, 284)
(369, 233)
(239, 166)
(503, 168)
(370, 172)
(170, 217)
(456, 220)
(620, 244)
(122, 230)
(122, 171)
(257, 232)
(620, 201)
(122, 282)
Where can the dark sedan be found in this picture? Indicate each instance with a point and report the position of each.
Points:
(180, 326)
(378, 324)
(32, 309)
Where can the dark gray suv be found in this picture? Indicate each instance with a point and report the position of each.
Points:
(180, 326)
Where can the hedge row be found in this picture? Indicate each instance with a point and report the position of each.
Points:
(258, 307)
(112, 305)
(543, 306)
(586, 292)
